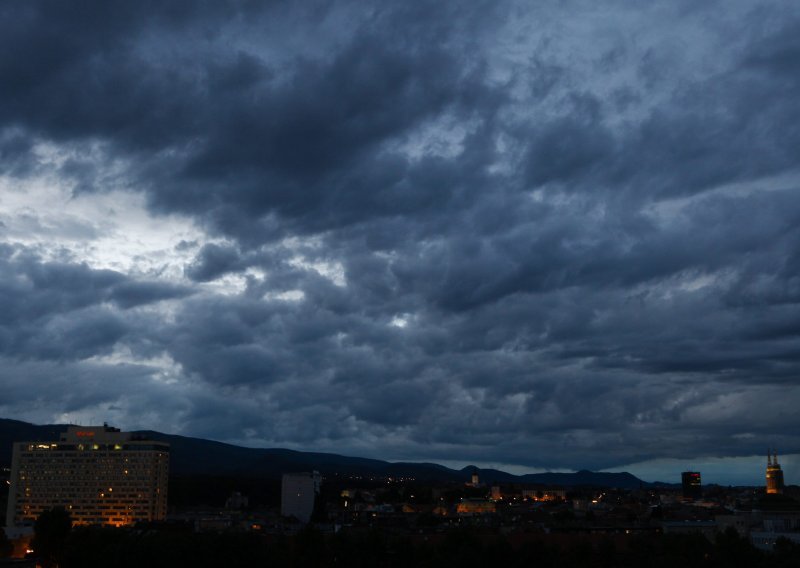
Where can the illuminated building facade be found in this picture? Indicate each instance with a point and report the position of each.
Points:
(774, 475)
(98, 474)
(470, 507)
(544, 494)
(691, 485)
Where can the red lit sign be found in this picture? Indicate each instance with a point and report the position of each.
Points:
(84, 433)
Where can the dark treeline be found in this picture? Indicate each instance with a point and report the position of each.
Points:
(212, 491)
(192, 491)
(90, 547)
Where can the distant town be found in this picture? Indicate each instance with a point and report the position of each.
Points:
(102, 479)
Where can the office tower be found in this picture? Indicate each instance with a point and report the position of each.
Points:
(298, 494)
(774, 475)
(690, 482)
(98, 474)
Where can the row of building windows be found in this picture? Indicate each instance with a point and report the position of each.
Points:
(94, 447)
(100, 474)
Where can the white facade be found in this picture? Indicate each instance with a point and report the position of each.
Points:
(298, 494)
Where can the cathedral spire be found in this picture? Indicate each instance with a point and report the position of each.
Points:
(774, 472)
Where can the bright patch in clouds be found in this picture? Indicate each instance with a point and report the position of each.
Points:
(333, 271)
(287, 296)
(399, 321)
(107, 230)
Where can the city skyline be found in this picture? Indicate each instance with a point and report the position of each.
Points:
(546, 237)
(742, 471)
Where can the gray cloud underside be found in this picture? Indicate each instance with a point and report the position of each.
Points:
(566, 239)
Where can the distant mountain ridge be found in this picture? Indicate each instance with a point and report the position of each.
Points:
(196, 456)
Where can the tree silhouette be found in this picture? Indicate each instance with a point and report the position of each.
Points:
(51, 530)
(6, 547)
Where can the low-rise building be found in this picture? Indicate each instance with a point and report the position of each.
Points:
(470, 507)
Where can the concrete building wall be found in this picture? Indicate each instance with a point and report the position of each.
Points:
(99, 475)
(298, 495)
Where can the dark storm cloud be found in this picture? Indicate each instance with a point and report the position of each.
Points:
(298, 138)
(131, 294)
(212, 262)
(495, 232)
(60, 310)
(33, 289)
(15, 153)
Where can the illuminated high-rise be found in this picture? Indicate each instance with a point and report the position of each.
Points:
(691, 485)
(98, 474)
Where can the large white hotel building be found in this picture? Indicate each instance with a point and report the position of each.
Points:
(98, 474)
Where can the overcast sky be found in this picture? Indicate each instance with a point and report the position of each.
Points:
(537, 235)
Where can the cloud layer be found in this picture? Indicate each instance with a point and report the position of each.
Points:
(556, 236)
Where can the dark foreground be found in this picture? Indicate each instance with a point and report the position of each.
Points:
(155, 548)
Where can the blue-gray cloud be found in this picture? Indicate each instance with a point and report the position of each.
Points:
(494, 233)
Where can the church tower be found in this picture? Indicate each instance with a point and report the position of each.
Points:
(774, 474)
